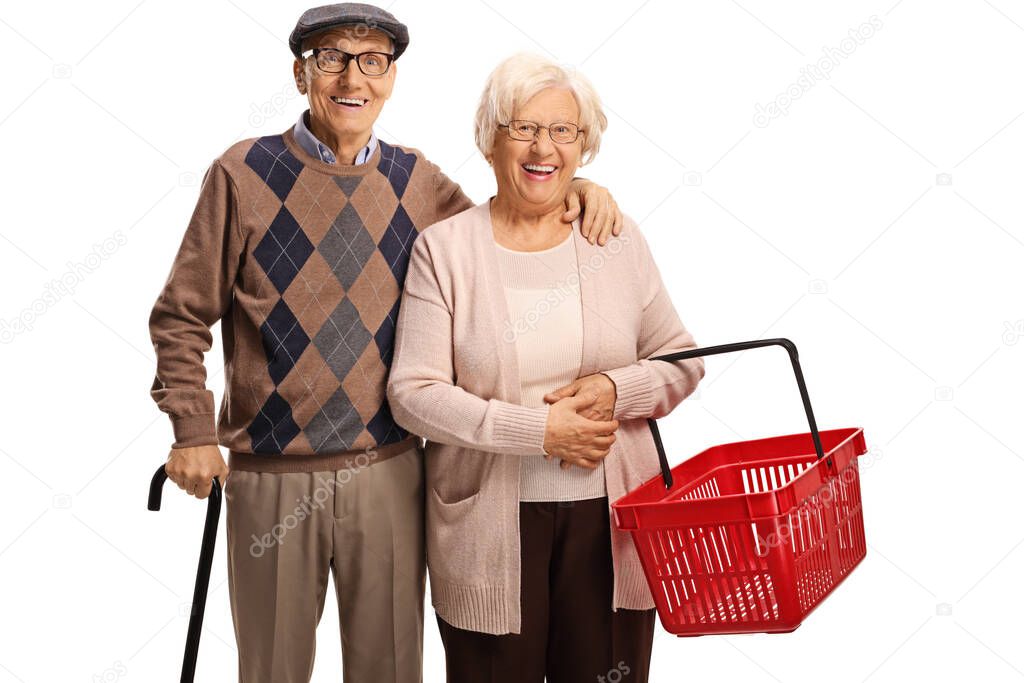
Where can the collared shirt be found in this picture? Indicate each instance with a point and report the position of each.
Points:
(316, 148)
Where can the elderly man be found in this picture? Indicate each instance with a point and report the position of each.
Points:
(300, 243)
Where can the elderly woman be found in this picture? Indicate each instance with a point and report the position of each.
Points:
(521, 357)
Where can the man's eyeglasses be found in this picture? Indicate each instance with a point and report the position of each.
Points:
(334, 61)
(563, 133)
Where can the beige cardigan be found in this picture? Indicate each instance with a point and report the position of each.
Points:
(454, 380)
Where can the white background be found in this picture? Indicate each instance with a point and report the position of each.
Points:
(878, 224)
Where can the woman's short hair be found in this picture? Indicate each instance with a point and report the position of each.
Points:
(517, 79)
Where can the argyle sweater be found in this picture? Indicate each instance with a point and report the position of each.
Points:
(303, 262)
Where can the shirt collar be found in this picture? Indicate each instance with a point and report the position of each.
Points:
(317, 149)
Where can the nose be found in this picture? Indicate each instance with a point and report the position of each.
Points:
(351, 75)
(542, 144)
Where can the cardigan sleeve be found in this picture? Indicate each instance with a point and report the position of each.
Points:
(653, 388)
(421, 390)
(197, 294)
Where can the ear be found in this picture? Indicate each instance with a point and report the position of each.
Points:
(300, 76)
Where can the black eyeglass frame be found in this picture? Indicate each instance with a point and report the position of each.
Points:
(348, 57)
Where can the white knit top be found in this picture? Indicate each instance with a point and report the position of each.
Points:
(546, 324)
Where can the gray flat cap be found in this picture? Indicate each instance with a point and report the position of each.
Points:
(345, 14)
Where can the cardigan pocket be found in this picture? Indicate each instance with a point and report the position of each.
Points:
(463, 546)
(451, 511)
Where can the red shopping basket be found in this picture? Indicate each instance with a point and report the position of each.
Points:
(749, 537)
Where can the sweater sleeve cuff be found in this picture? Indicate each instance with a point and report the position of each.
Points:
(521, 428)
(633, 395)
(194, 430)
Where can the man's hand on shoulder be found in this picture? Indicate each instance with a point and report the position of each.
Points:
(601, 217)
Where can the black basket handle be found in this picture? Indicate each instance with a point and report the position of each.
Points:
(195, 621)
(666, 471)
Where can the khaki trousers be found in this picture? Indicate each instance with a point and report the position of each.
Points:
(287, 531)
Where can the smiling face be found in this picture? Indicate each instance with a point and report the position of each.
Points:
(534, 176)
(343, 107)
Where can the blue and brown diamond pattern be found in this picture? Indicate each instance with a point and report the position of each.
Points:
(328, 340)
(396, 244)
(283, 250)
(283, 341)
(273, 428)
(397, 166)
(278, 167)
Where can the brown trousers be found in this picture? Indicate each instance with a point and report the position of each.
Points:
(569, 631)
(287, 532)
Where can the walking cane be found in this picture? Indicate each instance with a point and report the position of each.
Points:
(195, 621)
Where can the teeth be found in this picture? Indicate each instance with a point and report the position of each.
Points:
(539, 168)
(348, 100)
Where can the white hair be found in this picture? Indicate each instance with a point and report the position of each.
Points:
(517, 79)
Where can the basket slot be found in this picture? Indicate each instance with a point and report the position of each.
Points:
(740, 478)
(814, 575)
(724, 546)
(750, 565)
(745, 478)
(730, 606)
(703, 489)
(840, 513)
(664, 558)
(669, 559)
(713, 553)
(703, 577)
(700, 607)
(712, 575)
(748, 607)
(766, 592)
(684, 570)
(760, 548)
(860, 544)
(770, 477)
(849, 520)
